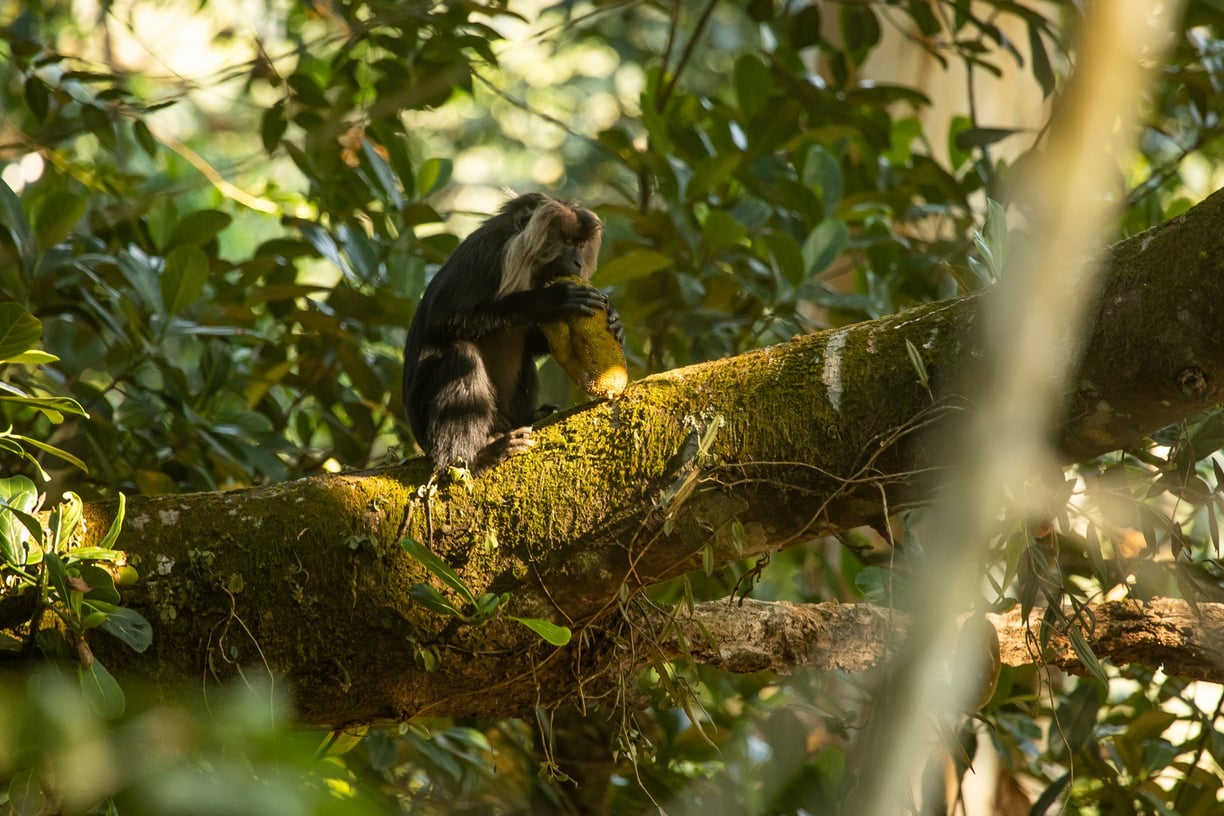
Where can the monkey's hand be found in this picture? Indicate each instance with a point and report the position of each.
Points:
(567, 298)
(614, 323)
(588, 348)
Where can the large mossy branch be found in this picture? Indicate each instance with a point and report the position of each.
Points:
(748, 454)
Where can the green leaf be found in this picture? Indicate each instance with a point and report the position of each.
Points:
(1042, 71)
(184, 277)
(65, 518)
(805, 27)
(130, 627)
(1079, 644)
(487, 604)
(34, 357)
(551, 632)
(51, 449)
(433, 175)
(956, 155)
(971, 137)
(55, 217)
(108, 540)
(860, 31)
(25, 794)
(824, 244)
(823, 174)
(272, 127)
(37, 99)
(637, 263)
(102, 583)
(19, 330)
(144, 137)
(439, 568)
(101, 690)
(18, 496)
(53, 407)
(753, 85)
(786, 256)
(433, 600)
(197, 228)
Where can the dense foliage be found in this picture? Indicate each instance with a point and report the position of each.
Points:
(224, 263)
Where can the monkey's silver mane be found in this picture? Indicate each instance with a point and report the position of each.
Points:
(537, 244)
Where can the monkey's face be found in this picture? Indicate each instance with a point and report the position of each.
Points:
(553, 238)
(570, 260)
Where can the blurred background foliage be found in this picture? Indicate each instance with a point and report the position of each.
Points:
(224, 212)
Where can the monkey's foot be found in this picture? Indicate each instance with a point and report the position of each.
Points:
(502, 447)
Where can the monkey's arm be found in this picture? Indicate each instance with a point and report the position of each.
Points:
(522, 308)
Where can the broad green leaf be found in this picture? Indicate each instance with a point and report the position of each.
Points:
(551, 632)
(823, 174)
(433, 175)
(197, 228)
(786, 255)
(103, 584)
(25, 794)
(19, 330)
(824, 244)
(860, 31)
(55, 217)
(129, 626)
(805, 27)
(637, 263)
(753, 85)
(13, 219)
(433, 600)
(18, 497)
(101, 690)
(184, 277)
(720, 230)
(439, 568)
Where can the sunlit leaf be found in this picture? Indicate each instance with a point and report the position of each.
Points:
(19, 330)
(551, 632)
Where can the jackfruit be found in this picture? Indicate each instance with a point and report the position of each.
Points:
(587, 351)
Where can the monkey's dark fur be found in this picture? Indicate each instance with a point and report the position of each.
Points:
(470, 384)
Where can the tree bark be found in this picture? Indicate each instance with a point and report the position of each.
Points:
(744, 456)
(1188, 641)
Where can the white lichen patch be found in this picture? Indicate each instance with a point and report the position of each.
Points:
(830, 371)
(163, 564)
(167, 517)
